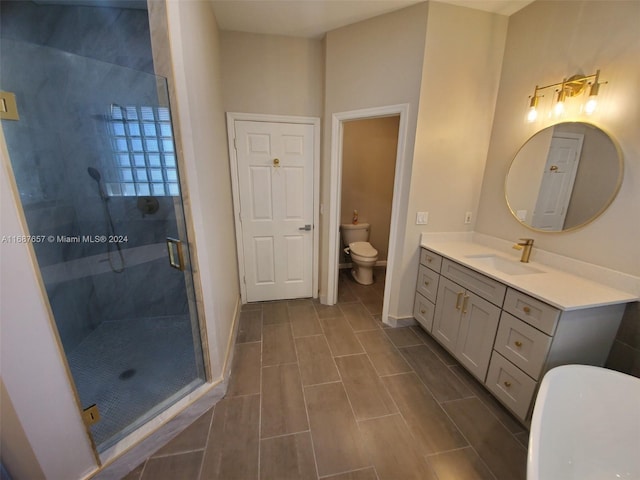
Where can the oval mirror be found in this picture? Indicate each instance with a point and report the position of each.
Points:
(564, 177)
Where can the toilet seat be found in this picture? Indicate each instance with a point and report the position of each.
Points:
(363, 249)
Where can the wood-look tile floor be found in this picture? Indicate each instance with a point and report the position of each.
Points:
(329, 392)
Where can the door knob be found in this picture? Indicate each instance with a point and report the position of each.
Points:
(306, 228)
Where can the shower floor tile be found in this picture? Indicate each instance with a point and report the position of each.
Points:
(130, 368)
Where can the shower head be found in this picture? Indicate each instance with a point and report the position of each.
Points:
(95, 174)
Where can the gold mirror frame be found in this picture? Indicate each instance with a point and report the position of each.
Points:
(519, 166)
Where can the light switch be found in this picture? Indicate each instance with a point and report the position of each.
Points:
(422, 218)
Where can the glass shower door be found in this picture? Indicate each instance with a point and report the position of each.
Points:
(94, 160)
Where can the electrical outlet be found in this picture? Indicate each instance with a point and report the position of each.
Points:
(467, 217)
(422, 218)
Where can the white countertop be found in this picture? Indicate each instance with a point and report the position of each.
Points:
(563, 290)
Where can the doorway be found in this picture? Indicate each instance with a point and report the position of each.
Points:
(400, 184)
(274, 169)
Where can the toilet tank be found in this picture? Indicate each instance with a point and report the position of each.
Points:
(354, 233)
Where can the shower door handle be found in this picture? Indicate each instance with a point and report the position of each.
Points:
(176, 256)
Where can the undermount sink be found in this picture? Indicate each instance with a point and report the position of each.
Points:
(504, 265)
(585, 426)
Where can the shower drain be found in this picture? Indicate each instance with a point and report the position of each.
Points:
(127, 374)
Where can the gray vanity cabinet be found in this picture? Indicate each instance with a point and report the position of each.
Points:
(504, 337)
(466, 325)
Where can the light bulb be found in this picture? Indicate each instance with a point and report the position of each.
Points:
(558, 108)
(592, 103)
(533, 104)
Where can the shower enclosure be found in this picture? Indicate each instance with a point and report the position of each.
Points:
(94, 161)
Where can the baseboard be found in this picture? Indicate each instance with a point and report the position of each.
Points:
(228, 358)
(398, 322)
(380, 263)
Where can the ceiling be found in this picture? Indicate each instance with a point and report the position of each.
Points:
(313, 18)
(301, 18)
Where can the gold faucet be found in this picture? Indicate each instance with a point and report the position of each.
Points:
(525, 245)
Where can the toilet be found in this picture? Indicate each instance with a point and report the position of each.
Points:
(363, 255)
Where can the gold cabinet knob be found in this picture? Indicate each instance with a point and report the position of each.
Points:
(423, 311)
(507, 383)
(527, 309)
(276, 162)
(518, 343)
(429, 259)
(426, 283)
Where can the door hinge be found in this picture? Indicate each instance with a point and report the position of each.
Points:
(91, 415)
(8, 106)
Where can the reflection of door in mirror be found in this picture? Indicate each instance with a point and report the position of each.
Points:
(564, 198)
(557, 181)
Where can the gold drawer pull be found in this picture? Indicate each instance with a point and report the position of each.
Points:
(426, 283)
(429, 259)
(518, 343)
(464, 304)
(460, 294)
(423, 312)
(507, 383)
(527, 309)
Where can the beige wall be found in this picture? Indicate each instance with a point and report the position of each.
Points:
(197, 82)
(377, 62)
(459, 84)
(546, 42)
(272, 74)
(369, 149)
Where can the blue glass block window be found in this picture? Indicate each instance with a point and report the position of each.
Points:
(143, 152)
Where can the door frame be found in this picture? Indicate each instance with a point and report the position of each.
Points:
(232, 117)
(400, 185)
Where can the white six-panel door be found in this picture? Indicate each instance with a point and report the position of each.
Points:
(557, 181)
(276, 191)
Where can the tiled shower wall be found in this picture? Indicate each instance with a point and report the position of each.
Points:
(67, 66)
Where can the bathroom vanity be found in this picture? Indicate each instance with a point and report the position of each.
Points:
(509, 322)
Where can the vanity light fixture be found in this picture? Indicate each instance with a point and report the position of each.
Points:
(569, 87)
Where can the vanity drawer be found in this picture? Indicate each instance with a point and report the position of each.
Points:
(423, 311)
(430, 259)
(536, 313)
(511, 385)
(427, 284)
(482, 286)
(522, 345)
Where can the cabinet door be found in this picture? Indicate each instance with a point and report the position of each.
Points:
(478, 326)
(446, 322)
